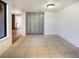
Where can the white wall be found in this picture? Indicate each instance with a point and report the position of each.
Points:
(23, 23)
(18, 22)
(68, 23)
(6, 42)
(49, 23)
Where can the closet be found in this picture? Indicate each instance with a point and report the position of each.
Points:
(35, 22)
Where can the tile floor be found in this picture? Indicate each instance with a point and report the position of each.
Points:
(39, 46)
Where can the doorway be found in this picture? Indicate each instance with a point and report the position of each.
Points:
(16, 27)
(35, 23)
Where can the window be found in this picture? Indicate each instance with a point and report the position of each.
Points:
(3, 24)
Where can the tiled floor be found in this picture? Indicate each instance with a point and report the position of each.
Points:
(39, 46)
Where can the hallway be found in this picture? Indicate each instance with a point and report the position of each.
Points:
(39, 46)
(16, 34)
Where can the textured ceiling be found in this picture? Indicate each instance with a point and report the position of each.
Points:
(40, 5)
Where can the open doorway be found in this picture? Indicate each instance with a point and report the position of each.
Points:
(16, 27)
(35, 23)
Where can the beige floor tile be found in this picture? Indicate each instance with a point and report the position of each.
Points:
(19, 53)
(54, 52)
(42, 48)
(30, 56)
(31, 52)
(42, 52)
(71, 55)
(57, 56)
(44, 56)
